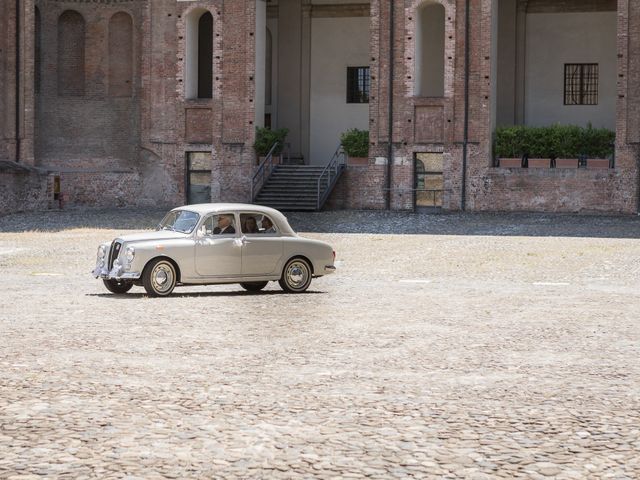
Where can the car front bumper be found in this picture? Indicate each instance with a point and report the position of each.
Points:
(116, 273)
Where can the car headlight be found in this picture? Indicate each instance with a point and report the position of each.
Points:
(102, 252)
(129, 254)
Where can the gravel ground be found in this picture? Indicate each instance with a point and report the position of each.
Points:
(446, 346)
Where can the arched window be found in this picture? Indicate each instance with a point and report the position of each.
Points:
(71, 39)
(37, 50)
(121, 55)
(199, 63)
(430, 38)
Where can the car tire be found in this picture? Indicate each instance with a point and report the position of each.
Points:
(117, 286)
(159, 278)
(253, 286)
(296, 276)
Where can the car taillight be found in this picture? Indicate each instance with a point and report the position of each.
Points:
(334, 255)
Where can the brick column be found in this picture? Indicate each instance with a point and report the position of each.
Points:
(233, 155)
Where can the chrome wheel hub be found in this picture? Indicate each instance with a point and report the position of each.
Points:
(162, 277)
(297, 274)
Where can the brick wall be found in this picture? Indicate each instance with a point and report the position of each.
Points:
(124, 139)
(359, 188)
(488, 188)
(109, 189)
(80, 119)
(22, 191)
(552, 190)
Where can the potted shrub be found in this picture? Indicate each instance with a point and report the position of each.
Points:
(538, 146)
(598, 146)
(508, 147)
(561, 146)
(566, 141)
(355, 144)
(265, 138)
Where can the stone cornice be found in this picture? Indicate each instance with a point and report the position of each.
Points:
(329, 11)
(570, 6)
(104, 2)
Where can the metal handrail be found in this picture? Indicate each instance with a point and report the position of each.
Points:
(335, 166)
(262, 172)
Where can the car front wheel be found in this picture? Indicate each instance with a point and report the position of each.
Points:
(117, 286)
(253, 286)
(159, 278)
(296, 276)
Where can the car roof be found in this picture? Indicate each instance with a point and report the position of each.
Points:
(206, 208)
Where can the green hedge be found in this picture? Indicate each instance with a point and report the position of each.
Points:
(355, 142)
(265, 138)
(557, 141)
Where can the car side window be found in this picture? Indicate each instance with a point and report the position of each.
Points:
(266, 225)
(249, 223)
(221, 224)
(256, 224)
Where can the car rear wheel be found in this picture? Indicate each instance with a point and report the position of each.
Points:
(253, 286)
(159, 278)
(296, 276)
(117, 286)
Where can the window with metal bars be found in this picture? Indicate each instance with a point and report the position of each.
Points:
(580, 83)
(357, 84)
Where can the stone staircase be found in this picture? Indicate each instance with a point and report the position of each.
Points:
(293, 187)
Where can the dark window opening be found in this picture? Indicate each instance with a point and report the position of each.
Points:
(358, 84)
(37, 50)
(71, 33)
(205, 56)
(121, 55)
(581, 84)
(199, 177)
(429, 180)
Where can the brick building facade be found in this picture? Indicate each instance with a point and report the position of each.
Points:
(116, 101)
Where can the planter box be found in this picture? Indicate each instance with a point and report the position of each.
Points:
(539, 163)
(599, 163)
(510, 162)
(566, 163)
(358, 161)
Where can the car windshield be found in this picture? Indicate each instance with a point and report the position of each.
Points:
(179, 221)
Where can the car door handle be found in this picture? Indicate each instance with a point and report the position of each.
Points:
(241, 241)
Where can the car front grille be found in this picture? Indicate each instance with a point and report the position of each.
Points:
(114, 251)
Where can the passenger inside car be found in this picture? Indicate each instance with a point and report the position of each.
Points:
(250, 225)
(225, 225)
(267, 225)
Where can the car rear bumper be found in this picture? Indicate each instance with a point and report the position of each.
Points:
(329, 269)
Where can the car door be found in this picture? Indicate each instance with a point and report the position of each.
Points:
(261, 250)
(217, 254)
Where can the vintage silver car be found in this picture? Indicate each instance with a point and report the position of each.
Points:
(214, 244)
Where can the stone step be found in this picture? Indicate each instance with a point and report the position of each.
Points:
(295, 175)
(288, 198)
(289, 206)
(293, 187)
(298, 168)
(295, 181)
(271, 189)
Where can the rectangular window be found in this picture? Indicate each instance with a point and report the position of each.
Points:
(199, 177)
(357, 84)
(580, 83)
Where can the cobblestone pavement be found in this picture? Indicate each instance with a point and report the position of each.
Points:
(473, 346)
